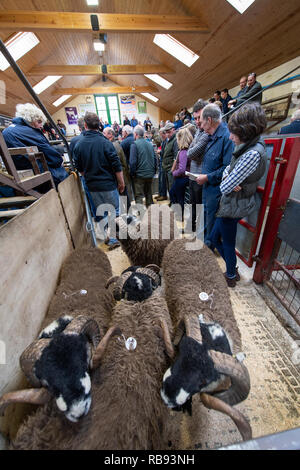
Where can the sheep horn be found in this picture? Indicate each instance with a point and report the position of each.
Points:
(84, 325)
(192, 327)
(97, 356)
(153, 267)
(31, 395)
(29, 357)
(119, 280)
(239, 419)
(111, 280)
(239, 375)
(167, 338)
(150, 273)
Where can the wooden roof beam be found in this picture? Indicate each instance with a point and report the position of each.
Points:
(104, 89)
(25, 20)
(97, 70)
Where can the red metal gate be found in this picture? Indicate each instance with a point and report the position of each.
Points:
(281, 174)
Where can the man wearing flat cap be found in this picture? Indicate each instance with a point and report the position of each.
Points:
(170, 152)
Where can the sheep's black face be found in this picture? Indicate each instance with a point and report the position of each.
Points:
(63, 369)
(192, 371)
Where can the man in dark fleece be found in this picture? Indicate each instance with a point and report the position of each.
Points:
(97, 159)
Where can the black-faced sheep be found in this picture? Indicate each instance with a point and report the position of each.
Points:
(207, 334)
(64, 347)
(126, 411)
(144, 241)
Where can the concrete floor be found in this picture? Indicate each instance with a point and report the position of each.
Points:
(273, 361)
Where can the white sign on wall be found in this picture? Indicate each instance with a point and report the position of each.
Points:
(128, 106)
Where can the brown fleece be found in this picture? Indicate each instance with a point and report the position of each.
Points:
(127, 411)
(186, 273)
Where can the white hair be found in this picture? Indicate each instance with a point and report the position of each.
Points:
(212, 111)
(139, 130)
(108, 130)
(29, 112)
(296, 115)
(127, 129)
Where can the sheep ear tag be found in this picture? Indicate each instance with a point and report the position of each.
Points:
(130, 344)
(205, 297)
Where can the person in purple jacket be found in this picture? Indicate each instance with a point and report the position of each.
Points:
(180, 166)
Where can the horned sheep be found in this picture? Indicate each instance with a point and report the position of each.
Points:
(127, 369)
(69, 334)
(208, 337)
(145, 240)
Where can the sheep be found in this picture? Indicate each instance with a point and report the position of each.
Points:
(207, 334)
(147, 239)
(81, 289)
(126, 411)
(64, 346)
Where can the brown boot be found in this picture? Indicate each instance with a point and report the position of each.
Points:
(161, 198)
(231, 282)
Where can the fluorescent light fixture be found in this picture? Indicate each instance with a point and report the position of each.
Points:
(45, 83)
(175, 48)
(150, 97)
(159, 80)
(18, 45)
(92, 3)
(241, 5)
(98, 45)
(61, 100)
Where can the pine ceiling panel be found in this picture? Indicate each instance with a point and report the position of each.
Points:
(265, 36)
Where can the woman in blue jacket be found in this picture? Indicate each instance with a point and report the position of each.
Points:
(26, 131)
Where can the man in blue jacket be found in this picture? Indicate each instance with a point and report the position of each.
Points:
(25, 131)
(294, 126)
(97, 159)
(128, 140)
(216, 157)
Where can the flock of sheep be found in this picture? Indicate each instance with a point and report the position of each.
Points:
(115, 361)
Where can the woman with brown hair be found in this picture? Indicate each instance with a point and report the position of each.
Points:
(180, 166)
(239, 182)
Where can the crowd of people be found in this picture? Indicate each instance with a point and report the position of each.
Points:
(217, 162)
(207, 157)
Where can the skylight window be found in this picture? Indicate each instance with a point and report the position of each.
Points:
(150, 97)
(241, 5)
(159, 80)
(61, 100)
(18, 45)
(45, 83)
(175, 48)
(92, 3)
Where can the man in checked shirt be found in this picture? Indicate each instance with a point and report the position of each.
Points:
(239, 182)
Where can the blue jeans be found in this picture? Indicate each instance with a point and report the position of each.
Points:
(177, 191)
(222, 237)
(107, 197)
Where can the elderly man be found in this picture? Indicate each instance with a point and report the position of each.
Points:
(97, 159)
(26, 131)
(195, 154)
(253, 87)
(110, 135)
(128, 140)
(294, 126)
(216, 157)
(142, 166)
(170, 153)
(243, 85)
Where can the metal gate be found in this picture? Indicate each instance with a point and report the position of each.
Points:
(277, 226)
